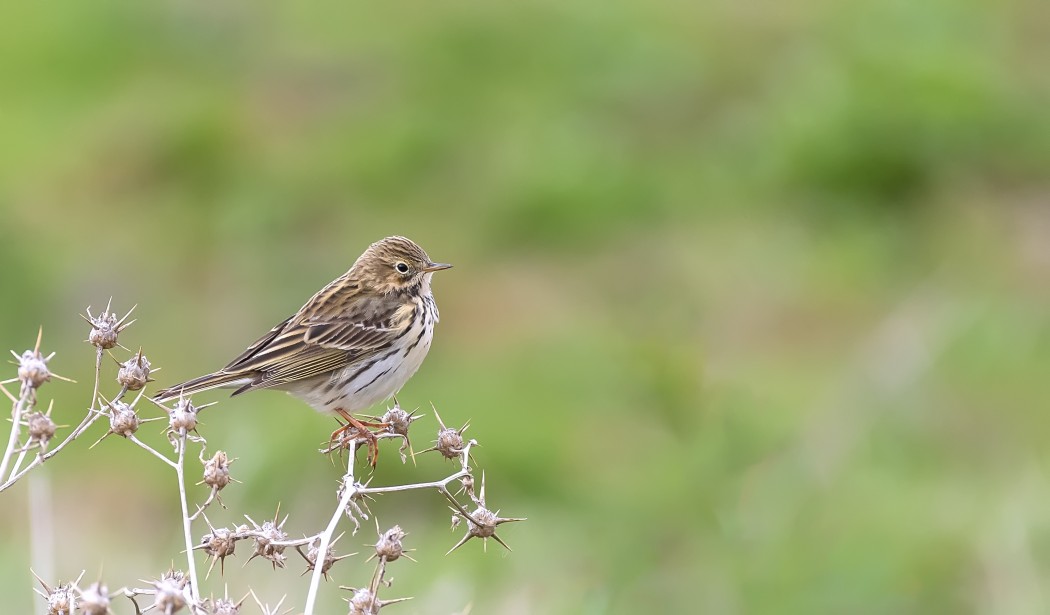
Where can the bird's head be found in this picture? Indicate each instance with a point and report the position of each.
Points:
(395, 264)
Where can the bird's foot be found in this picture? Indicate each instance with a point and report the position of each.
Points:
(354, 432)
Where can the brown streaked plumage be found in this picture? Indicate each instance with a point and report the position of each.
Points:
(355, 343)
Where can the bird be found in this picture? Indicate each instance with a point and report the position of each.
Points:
(355, 343)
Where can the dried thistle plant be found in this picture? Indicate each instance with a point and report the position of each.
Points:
(179, 590)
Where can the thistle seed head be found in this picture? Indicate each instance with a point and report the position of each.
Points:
(94, 600)
(449, 443)
(265, 535)
(224, 606)
(134, 373)
(172, 591)
(123, 420)
(486, 525)
(364, 602)
(389, 546)
(398, 421)
(219, 543)
(104, 331)
(32, 369)
(106, 327)
(41, 428)
(482, 522)
(183, 416)
(217, 471)
(311, 556)
(62, 600)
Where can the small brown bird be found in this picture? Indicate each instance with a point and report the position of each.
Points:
(355, 343)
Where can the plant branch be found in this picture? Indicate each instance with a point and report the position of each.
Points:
(191, 567)
(154, 452)
(349, 490)
(88, 420)
(17, 410)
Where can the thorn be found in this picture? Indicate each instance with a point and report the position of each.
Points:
(121, 321)
(462, 541)
(46, 588)
(13, 399)
(500, 540)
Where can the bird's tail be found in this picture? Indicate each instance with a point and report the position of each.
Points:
(202, 383)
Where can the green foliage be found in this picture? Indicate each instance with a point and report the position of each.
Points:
(748, 312)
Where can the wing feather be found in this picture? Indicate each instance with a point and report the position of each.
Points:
(259, 344)
(302, 347)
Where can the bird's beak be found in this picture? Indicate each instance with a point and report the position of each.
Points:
(437, 266)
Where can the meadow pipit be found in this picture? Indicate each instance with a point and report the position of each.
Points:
(355, 343)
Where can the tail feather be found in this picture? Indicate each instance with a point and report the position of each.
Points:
(202, 383)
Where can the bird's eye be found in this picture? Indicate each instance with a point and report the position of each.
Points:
(401, 267)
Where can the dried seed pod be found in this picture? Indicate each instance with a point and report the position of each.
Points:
(311, 556)
(62, 600)
(183, 416)
(398, 421)
(481, 523)
(449, 443)
(106, 327)
(94, 600)
(389, 546)
(172, 591)
(265, 535)
(364, 602)
(219, 543)
(32, 369)
(134, 373)
(41, 428)
(217, 471)
(123, 419)
(104, 331)
(224, 606)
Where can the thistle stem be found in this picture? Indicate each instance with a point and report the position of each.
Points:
(326, 537)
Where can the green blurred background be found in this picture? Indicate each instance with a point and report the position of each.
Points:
(750, 306)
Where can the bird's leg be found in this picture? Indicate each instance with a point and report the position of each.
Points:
(362, 432)
(355, 423)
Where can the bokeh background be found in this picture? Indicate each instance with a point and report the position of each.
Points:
(750, 310)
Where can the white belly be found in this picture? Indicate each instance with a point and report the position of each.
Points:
(356, 388)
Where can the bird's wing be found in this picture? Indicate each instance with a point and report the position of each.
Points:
(258, 345)
(311, 345)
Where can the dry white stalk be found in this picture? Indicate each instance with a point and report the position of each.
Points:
(176, 590)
